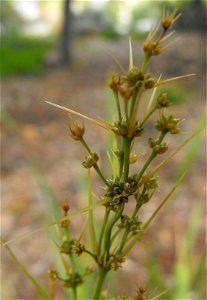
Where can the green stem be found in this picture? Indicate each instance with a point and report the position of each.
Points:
(115, 235)
(83, 142)
(121, 160)
(73, 268)
(74, 289)
(106, 216)
(126, 149)
(145, 62)
(136, 210)
(109, 230)
(134, 98)
(123, 241)
(150, 159)
(118, 105)
(126, 110)
(99, 283)
(147, 117)
(98, 171)
(90, 216)
(90, 253)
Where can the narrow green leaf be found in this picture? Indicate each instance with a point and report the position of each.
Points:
(146, 225)
(90, 216)
(45, 227)
(24, 270)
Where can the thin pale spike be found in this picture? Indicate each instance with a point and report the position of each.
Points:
(167, 36)
(153, 95)
(173, 78)
(157, 297)
(180, 180)
(172, 42)
(104, 125)
(115, 60)
(131, 63)
(146, 225)
(45, 227)
(169, 157)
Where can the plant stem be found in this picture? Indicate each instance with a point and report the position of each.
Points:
(115, 235)
(109, 230)
(98, 171)
(90, 216)
(121, 160)
(136, 210)
(134, 98)
(123, 241)
(147, 117)
(116, 96)
(126, 110)
(74, 288)
(99, 283)
(126, 149)
(83, 142)
(145, 62)
(152, 156)
(90, 253)
(106, 216)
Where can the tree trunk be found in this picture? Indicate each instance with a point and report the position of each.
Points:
(65, 39)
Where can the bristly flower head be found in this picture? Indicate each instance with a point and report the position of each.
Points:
(77, 131)
(169, 19)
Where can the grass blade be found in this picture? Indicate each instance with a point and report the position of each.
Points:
(45, 227)
(146, 225)
(24, 270)
(169, 157)
(90, 215)
(102, 124)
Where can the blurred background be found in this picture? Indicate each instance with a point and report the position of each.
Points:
(62, 51)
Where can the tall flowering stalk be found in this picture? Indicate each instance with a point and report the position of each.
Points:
(121, 231)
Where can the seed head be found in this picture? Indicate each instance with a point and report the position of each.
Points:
(162, 101)
(65, 206)
(115, 82)
(90, 160)
(53, 274)
(169, 19)
(168, 123)
(77, 131)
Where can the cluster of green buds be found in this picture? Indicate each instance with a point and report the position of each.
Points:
(158, 146)
(113, 262)
(73, 280)
(151, 183)
(53, 274)
(77, 131)
(132, 80)
(131, 224)
(118, 191)
(72, 246)
(140, 294)
(121, 128)
(90, 160)
(163, 101)
(168, 124)
(115, 196)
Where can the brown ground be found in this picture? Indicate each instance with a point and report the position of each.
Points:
(43, 135)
